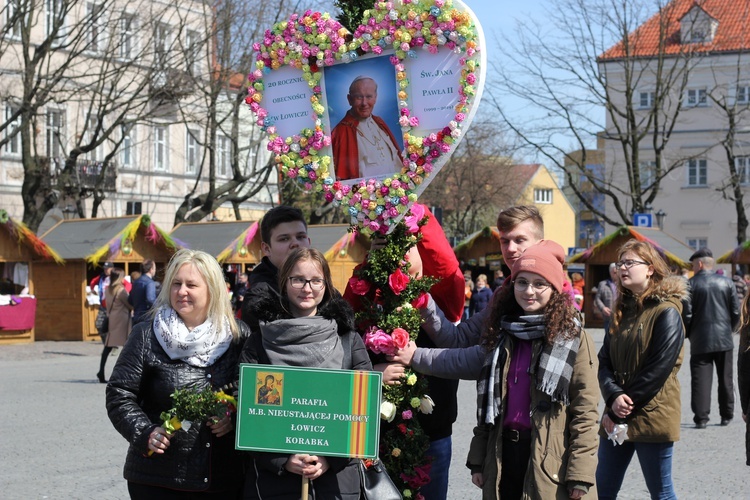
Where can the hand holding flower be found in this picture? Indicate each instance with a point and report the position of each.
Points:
(405, 355)
(158, 441)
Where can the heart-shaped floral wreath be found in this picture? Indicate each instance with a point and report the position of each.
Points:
(314, 40)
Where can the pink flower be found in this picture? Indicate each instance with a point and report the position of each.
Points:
(400, 337)
(398, 281)
(358, 286)
(406, 415)
(416, 214)
(379, 342)
(421, 301)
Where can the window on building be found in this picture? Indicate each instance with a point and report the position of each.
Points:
(742, 165)
(96, 32)
(161, 151)
(133, 208)
(647, 171)
(12, 20)
(192, 152)
(646, 100)
(55, 20)
(743, 94)
(222, 154)
(697, 174)
(93, 134)
(192, 42)
(543, 196)
(127, 148)
(161, 43)
(55, 133)
(697, 243)
(127, 36)
(697, 97)
(13, 146)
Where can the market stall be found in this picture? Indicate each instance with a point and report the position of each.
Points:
(598, 258)
(69, 309)
(343, 250)
(480, 253)
(235, 244)
(21, 254)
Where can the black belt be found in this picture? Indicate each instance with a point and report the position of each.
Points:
(514, 435)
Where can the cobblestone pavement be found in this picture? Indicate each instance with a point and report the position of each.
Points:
(58, 443)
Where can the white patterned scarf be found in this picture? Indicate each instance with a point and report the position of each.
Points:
(200, 347)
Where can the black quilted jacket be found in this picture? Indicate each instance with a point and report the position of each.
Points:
(139, 390)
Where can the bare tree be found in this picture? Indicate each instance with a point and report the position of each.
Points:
(588, 56)
(730, 96)
(217, 108)
(476, 182)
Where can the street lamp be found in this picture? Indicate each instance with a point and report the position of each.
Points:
(69, 212)
(660, 216)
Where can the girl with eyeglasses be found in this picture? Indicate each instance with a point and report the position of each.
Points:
(536, 398)
(307, 325)
(638, 365)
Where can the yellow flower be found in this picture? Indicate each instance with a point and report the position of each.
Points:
(415, 402)
(411, 379)
(396, 452)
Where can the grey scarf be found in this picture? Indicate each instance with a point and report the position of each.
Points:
(311, 342)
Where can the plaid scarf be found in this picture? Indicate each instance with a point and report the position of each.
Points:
(553, 373)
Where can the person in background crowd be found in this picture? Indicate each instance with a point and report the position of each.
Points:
(606, 292)
(481, 297)
(499, 279)
(193, 342)
(716, 314)
(537, 394)
(638, 365)
(578, 289)
(468, 291)
(143, 295)
(240, 290)
(118, 317)
(100, 283)
(309, 325)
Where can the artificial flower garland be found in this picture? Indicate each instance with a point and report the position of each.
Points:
(314, 40)
(389, 315)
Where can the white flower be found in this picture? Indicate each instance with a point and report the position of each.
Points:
(387, 411)
(426, 404)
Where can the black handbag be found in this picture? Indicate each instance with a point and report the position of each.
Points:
(375, 483)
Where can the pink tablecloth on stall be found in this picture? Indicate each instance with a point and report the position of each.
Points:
(20, 315)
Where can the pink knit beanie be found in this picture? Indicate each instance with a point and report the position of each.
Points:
(545, 259)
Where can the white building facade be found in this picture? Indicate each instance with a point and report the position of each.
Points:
(696, 195)
(140, 71)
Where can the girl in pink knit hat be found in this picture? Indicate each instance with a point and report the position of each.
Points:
(536, 433)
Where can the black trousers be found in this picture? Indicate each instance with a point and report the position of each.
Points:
(701, 378)
(515, 462)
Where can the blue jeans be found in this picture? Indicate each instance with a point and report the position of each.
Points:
(656, 465)
(440, 451)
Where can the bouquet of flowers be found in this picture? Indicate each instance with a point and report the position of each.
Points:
(192, 406)
(389, 316)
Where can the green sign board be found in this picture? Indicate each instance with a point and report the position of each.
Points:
(284, 409)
